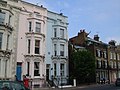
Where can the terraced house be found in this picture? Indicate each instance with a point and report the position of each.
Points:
(57, 48)
(114, 61)
(107, 55)
(9, 17)
(33, 42)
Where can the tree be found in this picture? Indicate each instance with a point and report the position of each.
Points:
(82, 66)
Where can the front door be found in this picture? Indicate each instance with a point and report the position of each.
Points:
(47, 74)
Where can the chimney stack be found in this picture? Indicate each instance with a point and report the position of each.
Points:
(112, 42)
(96, 37)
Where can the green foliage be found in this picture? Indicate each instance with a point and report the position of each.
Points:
(82, 67)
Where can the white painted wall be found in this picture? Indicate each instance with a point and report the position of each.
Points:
(28, 13)
(53, 22)
(8, 55)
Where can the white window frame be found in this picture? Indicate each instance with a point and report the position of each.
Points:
(110, 55)
(114, 56)
(111, 64)
(115, 65)
(99, 64)
(105, 63)
(105, 54)
(98, 52)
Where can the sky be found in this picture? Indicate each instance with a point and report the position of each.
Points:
(100, 17)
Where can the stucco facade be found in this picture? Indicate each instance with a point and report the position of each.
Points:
(57, 48)
(31, 43)
(9, 16)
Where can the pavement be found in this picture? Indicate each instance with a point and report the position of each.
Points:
(70, 86)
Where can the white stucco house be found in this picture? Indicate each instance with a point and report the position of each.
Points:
(9, 16)
(33, 42)
(56, 55)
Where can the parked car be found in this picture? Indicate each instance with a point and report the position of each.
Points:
(117, 82)
(12, 85)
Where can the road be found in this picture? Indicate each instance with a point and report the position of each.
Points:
(96, 87)
(90, 87)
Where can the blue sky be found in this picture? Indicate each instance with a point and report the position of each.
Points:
(101, 17)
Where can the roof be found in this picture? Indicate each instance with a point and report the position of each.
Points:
(99, 42)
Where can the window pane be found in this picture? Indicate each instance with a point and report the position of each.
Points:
(29, 46)
(55, 49)
(30, 26)
(55, 71)
(55, 32)
(38, 27)
(61, 50)
(62, 69)
(37, 46)
(62, 33)
(2, 17)
(37, 43)
(36, 69)
(8, 41)
(28, 67)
